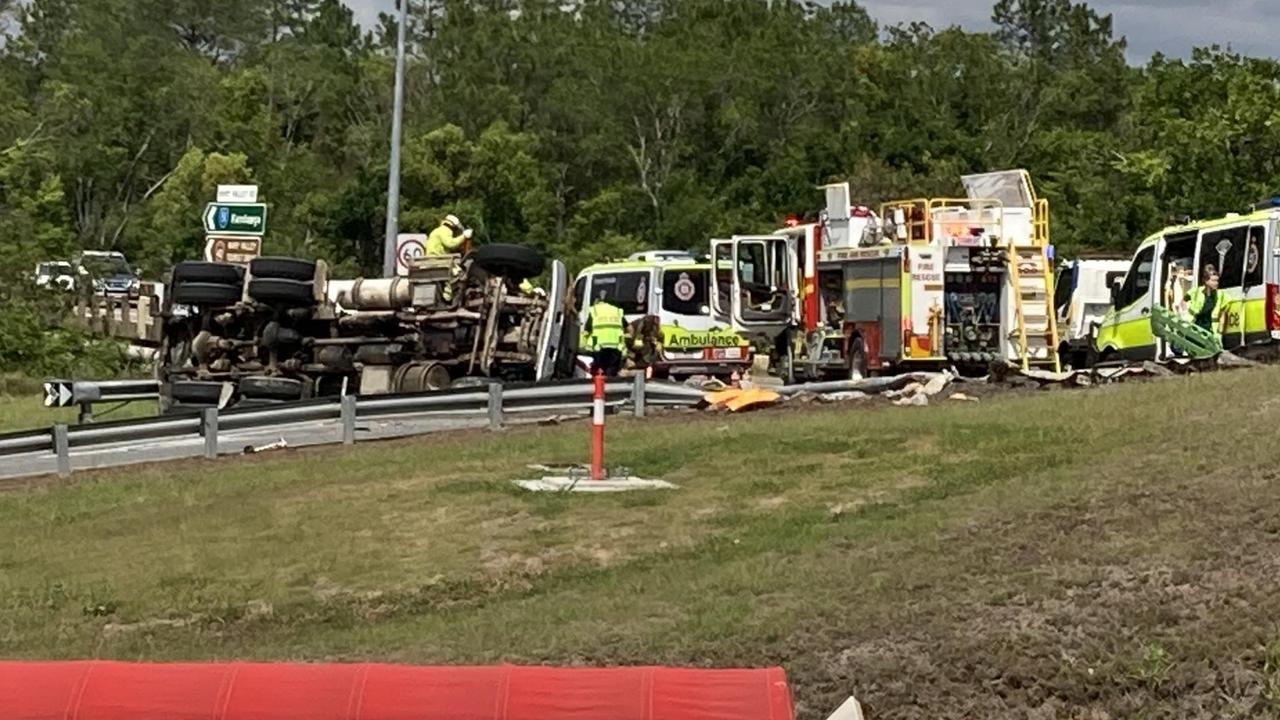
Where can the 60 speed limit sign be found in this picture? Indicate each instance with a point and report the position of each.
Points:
(409, 247)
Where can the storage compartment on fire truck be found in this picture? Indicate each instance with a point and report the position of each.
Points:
(973, 282)
(873, 303)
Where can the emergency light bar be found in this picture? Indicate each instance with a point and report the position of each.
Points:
(1272, 202)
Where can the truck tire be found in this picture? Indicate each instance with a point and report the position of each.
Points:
(262, 387)
(206, 293)
(208, 272)
(281, 291)
(283, 268)
(514, 262)
(195, 392)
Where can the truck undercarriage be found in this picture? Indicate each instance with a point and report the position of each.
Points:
(283, 331)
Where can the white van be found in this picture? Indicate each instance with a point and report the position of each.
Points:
(673, 289)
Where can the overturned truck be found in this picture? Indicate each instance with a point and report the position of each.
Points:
(282, 330)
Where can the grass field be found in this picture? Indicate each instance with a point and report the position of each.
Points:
(22, 407)
(25, 412)
(1105, 554)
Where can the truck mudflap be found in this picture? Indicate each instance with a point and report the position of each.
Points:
(553, 325)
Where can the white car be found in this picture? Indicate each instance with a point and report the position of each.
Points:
(58, 274)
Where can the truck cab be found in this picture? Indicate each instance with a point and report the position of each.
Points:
(1082, 297)
(666, 299)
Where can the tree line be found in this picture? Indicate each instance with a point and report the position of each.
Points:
(593, 127)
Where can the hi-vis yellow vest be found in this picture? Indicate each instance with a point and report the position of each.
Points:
(607, 327)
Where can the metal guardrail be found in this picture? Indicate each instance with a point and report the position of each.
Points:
(493, 401)
(68, 393)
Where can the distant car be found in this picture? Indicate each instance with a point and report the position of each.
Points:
(109, 272)
(58, 274)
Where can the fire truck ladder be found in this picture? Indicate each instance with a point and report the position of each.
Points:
(1035, 318)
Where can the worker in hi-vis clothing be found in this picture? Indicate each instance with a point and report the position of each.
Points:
(1206, 307)
(448, 238)
(607, 336)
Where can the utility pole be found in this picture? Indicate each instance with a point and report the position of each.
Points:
(393, 171)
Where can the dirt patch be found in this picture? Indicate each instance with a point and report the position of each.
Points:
(1137, 604)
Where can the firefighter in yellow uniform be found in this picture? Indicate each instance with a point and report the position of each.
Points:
(448, 239)
(607, 336)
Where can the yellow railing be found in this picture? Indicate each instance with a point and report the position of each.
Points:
(915, 228)
(920, 218)
(1040, 223)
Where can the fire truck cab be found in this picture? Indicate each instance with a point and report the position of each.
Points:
(931, 282)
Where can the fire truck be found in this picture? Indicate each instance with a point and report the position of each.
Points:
(922, 283)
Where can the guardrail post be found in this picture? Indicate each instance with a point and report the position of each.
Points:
(142, 317)
(637, 395)
(86, 413)
(348, 419)
(209, 429)
(495, 406)
(62, 448)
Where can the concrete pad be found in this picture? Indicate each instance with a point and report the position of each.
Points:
(581, 483)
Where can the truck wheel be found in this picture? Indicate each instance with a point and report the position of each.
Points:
(283, 268)
(261, 387)
(208, 272)
(206, 293)
(514, 262)
(195, 392)
(281, 291)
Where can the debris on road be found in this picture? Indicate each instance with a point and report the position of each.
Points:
(277, 445)
(577, 478)
(919, 399)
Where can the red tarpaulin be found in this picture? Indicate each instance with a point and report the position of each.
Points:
(98, 690)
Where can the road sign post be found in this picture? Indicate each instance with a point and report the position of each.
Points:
(237, 193)
(236, 219)
(236, 249)
(58, 393)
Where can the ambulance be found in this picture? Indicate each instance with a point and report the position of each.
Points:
(665, 297)
(923, 283)
(1241, 248)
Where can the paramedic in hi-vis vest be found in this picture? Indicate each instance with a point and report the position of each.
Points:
(1206, 307)
(607, 336)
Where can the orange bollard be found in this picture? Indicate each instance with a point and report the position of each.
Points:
(597, 428)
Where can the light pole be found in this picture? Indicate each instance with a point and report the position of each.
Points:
(393, 171)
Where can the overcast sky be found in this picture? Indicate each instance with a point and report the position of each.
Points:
(1169, 26)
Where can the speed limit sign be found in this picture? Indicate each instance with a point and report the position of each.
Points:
(409, 247)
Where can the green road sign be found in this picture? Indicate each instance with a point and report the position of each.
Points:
(235, 219)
